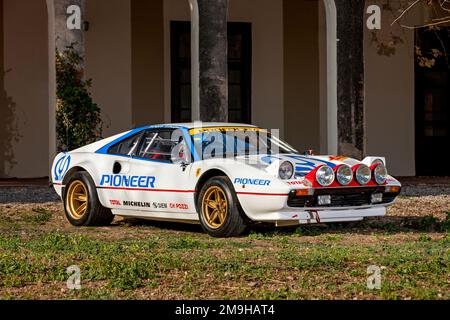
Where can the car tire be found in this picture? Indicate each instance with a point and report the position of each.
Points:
(221, 217)
(81, 204)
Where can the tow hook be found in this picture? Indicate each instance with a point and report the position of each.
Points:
(314, 215)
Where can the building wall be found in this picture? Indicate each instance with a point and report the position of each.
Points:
(108, 61)
(24, 89)
(127, 56)
(284, 73)
(301, 74)
(389, 100)
(147, 35)
(131, 92)
(266, 17)
(177, 10)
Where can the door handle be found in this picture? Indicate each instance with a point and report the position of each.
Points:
(121, 167)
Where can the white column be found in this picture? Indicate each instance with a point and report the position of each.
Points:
(59, 36)
(332, 109)
(195, 61)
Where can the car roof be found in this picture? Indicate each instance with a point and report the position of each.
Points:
(196, 125)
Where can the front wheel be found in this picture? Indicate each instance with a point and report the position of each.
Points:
(81, 203)
(219, 210)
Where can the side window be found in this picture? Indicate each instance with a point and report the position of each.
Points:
(157, 145)
(126, 147)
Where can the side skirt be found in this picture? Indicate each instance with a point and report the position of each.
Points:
(158, 216)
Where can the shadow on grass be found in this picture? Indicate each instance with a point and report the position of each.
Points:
(163, 225)
(381, 225)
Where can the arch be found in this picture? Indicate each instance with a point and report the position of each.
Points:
(195, 63)
(51, 82)
(331, 75)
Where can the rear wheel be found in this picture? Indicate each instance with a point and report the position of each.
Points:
(219, 210)
(81, 203)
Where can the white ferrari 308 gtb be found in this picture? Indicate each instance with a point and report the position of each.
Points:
(224, 176)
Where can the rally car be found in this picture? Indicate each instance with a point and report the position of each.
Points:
(223, 176)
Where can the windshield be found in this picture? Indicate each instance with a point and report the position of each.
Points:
(224, 142)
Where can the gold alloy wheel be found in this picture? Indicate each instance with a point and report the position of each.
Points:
(214, 207)
(77, 200)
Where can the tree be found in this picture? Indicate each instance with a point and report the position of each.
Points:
(399, 13)
(350, 60)
(439, 9)
(213, 60)
(350, 34)
(78, 119)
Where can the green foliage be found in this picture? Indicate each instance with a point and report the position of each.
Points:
(445, 225)
(184, 243)
(40, 216)
(78, 119)
(125, 268)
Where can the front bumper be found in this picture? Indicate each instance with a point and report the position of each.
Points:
(346, 204)
(343, 197)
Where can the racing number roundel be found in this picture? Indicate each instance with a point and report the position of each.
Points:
(61, 167)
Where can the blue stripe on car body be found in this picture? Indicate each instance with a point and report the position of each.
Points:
(303, 158)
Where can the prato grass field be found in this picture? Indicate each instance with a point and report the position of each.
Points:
(152, 260)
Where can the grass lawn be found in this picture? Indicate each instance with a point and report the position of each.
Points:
(135, 260)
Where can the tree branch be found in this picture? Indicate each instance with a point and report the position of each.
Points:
(405, 11)
(426, 25)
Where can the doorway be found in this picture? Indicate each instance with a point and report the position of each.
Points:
(239, 71)
(433, 104)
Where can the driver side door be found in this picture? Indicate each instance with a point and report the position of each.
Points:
(162, 183)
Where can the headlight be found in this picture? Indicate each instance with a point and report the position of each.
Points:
(363, 174)
(377, 161)
(286, 170)
(325, 176)
(344, 175)
(380, 174)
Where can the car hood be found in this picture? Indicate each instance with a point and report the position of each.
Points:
(303, 164)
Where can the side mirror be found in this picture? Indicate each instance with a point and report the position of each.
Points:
(180, 155)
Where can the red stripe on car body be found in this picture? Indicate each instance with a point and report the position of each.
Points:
(264, 194)
(153, 190)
